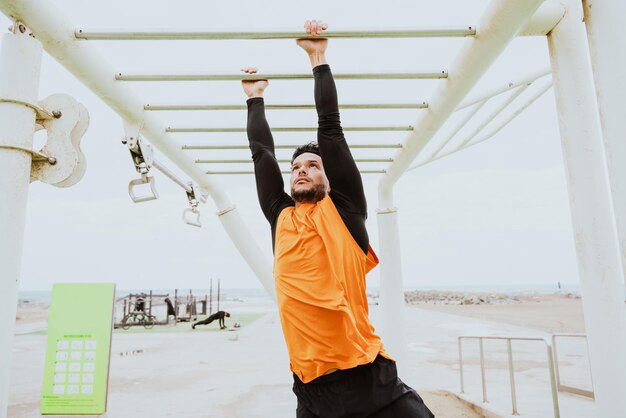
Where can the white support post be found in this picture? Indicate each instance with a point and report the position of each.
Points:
(602, 284)
(240, 236)
(20, 62)
(391, 295)
(607, 43)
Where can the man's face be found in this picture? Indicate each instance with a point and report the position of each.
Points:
(308, 180)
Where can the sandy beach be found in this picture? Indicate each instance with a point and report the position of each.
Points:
(174, 371)
(550, 313)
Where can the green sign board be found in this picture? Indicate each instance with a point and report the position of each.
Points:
(78, 349)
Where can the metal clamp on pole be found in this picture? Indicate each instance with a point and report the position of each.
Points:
(191, 216)
(195, 195)
(143, 156)
(37, 156)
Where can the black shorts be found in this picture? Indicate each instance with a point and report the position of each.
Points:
(370, 390)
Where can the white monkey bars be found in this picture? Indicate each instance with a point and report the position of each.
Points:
(227, 172)
(284, 106)
(291, 129)
(249, 161)
(178, 35)
(502, 21)
(540, 24)
(306, 76)
(280, 146)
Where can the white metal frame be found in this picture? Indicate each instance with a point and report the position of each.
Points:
(469, 140)
(283, 106)
(597, 248)
(604, 27)
(20, 63)
(193, 129)
(601, 268)
(511, 368)
(290, 76)
(566, 388)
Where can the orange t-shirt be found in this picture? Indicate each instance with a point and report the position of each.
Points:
(319, 272)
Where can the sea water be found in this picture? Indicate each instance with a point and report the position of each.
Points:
(259, 296)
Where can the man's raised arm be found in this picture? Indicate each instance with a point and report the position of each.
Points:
(343, 175)
(269, 180)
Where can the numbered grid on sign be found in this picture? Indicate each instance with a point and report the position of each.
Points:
(74, 367)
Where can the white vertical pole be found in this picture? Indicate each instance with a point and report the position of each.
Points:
(20, 62)
(602, 284)
(392, 306)
(248, 247)
(607, 43)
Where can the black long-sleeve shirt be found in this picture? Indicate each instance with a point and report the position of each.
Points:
(346, 185)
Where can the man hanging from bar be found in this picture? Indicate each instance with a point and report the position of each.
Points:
(321, 257)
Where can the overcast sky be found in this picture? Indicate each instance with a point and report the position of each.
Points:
(495, 214)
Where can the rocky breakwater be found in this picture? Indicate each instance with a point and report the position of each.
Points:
(435, 297)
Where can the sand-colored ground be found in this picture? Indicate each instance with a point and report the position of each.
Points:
(185, 373)
(29, 312)
(548, 313)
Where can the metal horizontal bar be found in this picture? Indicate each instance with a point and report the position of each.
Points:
(527, 80)
(161, 107)
(303, 76)
(285, 172)
(491, 133)
(42, 114)
(294, 129)
(246, 161)
(175, 35)
(569, 334)
(492, 115)
(36, 155)
(577, 391)
(281, 146)
(457, 129)
(490, 337)
(172, 176)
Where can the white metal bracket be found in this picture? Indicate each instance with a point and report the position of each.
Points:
(225, 210)
(143, 156)
(61, 162)
(37, 156)
(20, 27)
(42, 114)
(134, 185)
(191, 216)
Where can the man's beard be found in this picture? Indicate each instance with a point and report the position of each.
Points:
(310, 195)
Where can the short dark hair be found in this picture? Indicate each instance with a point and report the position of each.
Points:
(311, 147)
